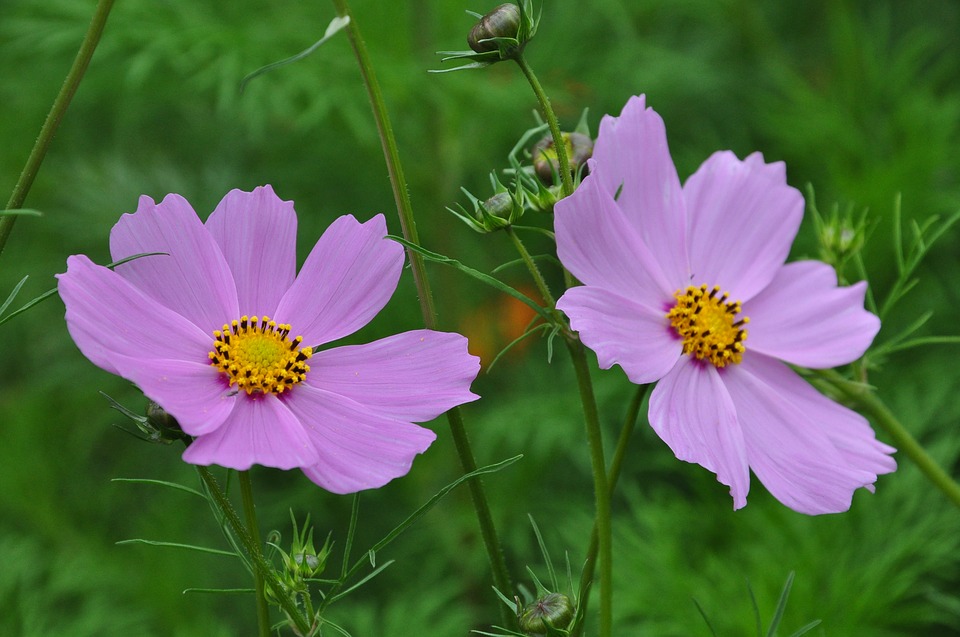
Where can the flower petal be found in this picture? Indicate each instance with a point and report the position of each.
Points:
(743, 218)
(692, 412)
(600, 247)
(193, 393)
(192, 278)
(803, 318)
(260, 430)
(794, 441)
(359, 449)
(631, 157)
(257, 233)
(108, 316)
(413, 376)
(349, 276)
(622, 332)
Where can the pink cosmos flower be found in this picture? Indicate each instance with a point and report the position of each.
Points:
(672, 275)
(226, 337)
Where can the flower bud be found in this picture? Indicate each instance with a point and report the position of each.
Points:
(552, 612)
(579, 149)
(502, 22)
(160, 426)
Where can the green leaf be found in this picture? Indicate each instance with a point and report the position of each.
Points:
(177, 545)
(13, 294)
(807, 628)
(20, 212)
(781, 606)
(46, 295)
(476, 274)
(366, 579)
(223, 591)
(163, 483)
(546, 556)
(705, 618)
(335, 26)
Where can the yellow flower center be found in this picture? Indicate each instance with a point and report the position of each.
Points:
(708, 325)
(257, 356)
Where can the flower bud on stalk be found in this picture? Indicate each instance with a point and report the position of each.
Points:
(579, 149)
(549, 615)
(502, 22)
(499, 35)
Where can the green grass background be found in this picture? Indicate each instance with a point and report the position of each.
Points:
(861, 99)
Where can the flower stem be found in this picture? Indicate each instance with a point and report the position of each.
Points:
(532, 267)
(629, 423)
(253, 551)
(600, 485)
(566, 179)
(867, 402)
(498, 564)
(60, 104)
(250, 513)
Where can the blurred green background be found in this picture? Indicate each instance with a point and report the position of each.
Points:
(861, 99)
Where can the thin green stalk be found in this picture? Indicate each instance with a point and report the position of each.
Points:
(491, 541)
(868, 403)
(532, 267)
(250, 513)
(629, 423)
(253, 551)
(600, 486)
(594, 436)
(566, 179)
(60, 104)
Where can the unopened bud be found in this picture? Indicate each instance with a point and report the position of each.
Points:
(579, 149)
(502, 22)
(552, 611)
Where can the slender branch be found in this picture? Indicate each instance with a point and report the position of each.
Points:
(867, 402)
(532, 267)
(253, 551)
(629, 423)
(600, 485)
(566, 179)
(498, 564)
(60, 104)
(250, 513)
(592, 421)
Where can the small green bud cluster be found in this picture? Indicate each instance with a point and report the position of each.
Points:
(502, 209)
(535, 187)
(841, 235)
(303, 562)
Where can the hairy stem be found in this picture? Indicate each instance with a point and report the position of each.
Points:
(491, 541)
(601, 487)
(253, 551)
(532, 267)
(629, 423)
(566, 179)
(250, 513)
(60, 104)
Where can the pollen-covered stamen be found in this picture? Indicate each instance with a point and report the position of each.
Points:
(707, 322)
(258, 357)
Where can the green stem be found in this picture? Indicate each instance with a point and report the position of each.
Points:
(491, 541)
(253, 551)
(566, 179)
(250, 513)
(532, 267)
(629, 423)
(867, 402)
(60, 104)
(600, 486)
